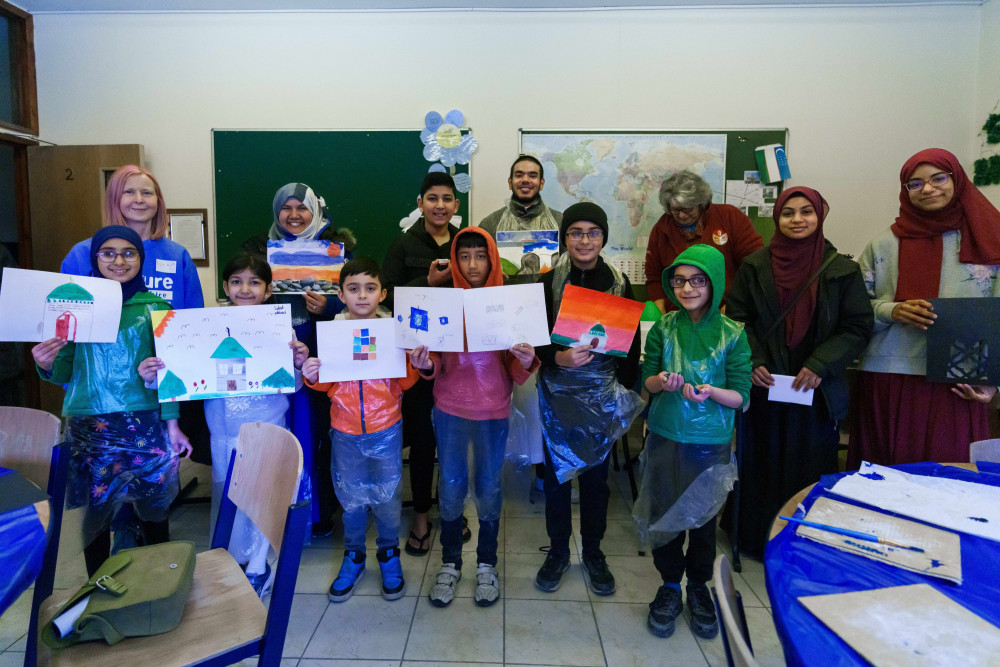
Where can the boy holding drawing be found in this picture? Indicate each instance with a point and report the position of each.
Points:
(697, 368)
(586, 403)
(367, 437)
(472, 404)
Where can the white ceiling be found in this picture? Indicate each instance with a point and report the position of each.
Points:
(41, 6)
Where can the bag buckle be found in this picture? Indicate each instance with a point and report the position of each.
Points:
(107, 583)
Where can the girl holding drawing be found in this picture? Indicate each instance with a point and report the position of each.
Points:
(125, 446)
(247, 282)
(298, 213)
(944, 243)
(806, 315)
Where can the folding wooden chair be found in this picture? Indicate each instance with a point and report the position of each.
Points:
(732, 621)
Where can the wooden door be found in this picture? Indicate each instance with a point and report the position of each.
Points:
(66, 186)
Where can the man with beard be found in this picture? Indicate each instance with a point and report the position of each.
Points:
(525, 211)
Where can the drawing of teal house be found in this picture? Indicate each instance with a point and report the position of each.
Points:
(230, 365)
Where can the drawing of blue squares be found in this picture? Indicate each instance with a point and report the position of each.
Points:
(362, 341)
(364, 333)
(418, 319)
(357, 346)
(443, 320)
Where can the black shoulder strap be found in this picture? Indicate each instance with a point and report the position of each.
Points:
(799, 295)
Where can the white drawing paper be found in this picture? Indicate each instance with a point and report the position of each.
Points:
(497, 318)
(359, 350)
(782, 391)
(950, 503)
(430, 316)
(226, 351)
(530, 251)
(305, 265)
(908, 625)
(940, 552)
(38, 305)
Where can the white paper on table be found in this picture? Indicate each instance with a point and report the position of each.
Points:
(430, 316)
(226, 351)
(497, 318)
(782, 391)
(908, 625)
(359, 350)
(951, 503)
(39, 305)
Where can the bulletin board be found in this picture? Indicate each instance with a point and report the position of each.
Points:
(370, 179)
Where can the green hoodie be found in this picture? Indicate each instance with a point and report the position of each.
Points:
(712, 351)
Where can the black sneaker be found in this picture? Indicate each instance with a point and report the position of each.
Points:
(703, 621)
(664, 610)
(597, 574)
(549, 577)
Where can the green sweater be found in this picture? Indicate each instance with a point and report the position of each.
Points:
(104, 377)
(711, 351)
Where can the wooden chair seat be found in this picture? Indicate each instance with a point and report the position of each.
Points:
(222, 613)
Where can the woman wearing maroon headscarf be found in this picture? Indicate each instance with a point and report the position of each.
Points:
(807, 316)
(945, 243)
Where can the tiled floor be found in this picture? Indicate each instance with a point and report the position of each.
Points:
(526, 627)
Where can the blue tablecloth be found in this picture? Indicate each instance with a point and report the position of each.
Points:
(795, 567)
(22, 544)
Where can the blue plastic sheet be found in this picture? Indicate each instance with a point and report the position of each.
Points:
(22, 544)
(797, 567)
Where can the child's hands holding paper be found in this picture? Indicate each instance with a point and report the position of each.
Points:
(420, 358)
(524, 353)
(761, 377)
(575, 357)
(310, 369)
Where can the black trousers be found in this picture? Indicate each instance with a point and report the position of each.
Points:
(418, 435)
(95, 553)
(594, 495)
(671, 561)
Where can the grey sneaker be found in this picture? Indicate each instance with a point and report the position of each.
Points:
(487, 585)
(443, 591)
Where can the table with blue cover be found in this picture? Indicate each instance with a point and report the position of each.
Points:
(795, 567)
(22, 545)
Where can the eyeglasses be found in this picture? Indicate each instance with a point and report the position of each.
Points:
(687, 212)
(696, 281)
(576, 234)
(108, 256)
(937, 180)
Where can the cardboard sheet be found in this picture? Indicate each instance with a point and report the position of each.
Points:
(950, 503)
(908, 625)
(497, 318)
(960, 342)
(359, 350)
(941, 556)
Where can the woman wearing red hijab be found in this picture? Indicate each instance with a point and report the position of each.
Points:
(807, 315)
(945, 243)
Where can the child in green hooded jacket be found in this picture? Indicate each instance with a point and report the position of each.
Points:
(697, 370)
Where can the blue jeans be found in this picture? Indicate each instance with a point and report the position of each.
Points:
(489, 442)
(367, 473)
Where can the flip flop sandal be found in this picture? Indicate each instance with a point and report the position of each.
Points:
(423, 541)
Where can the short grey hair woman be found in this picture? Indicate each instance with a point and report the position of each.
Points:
(685, 190)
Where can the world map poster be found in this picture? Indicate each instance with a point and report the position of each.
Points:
(622, 172)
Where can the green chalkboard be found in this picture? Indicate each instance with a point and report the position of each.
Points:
(369, 179)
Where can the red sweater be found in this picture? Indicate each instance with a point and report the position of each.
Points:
(724, 227)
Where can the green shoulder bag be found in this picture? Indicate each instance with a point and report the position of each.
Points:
(136, 592)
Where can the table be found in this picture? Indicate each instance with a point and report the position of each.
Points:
(795, 567)
(22, 545)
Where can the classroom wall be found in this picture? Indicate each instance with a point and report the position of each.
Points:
(988, 88)
(861, 89)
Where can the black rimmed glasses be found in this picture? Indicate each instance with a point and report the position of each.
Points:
(686, 212)
(108, 256)
(576, 234)
(937, 180)
(696, 281)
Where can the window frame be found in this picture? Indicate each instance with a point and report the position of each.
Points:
(23, 28)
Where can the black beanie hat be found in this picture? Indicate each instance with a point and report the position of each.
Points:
(587, 212)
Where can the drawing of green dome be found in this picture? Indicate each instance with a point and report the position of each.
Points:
(279, 379)
(70, 292)
(229, 348)
(598, 330)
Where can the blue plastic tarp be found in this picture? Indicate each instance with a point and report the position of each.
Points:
(22, 544)
(796, 567)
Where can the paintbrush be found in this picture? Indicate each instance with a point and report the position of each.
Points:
(851, 533)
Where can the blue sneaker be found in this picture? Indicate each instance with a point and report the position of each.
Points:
(352, 571)
(393, 585)
(262, 582)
